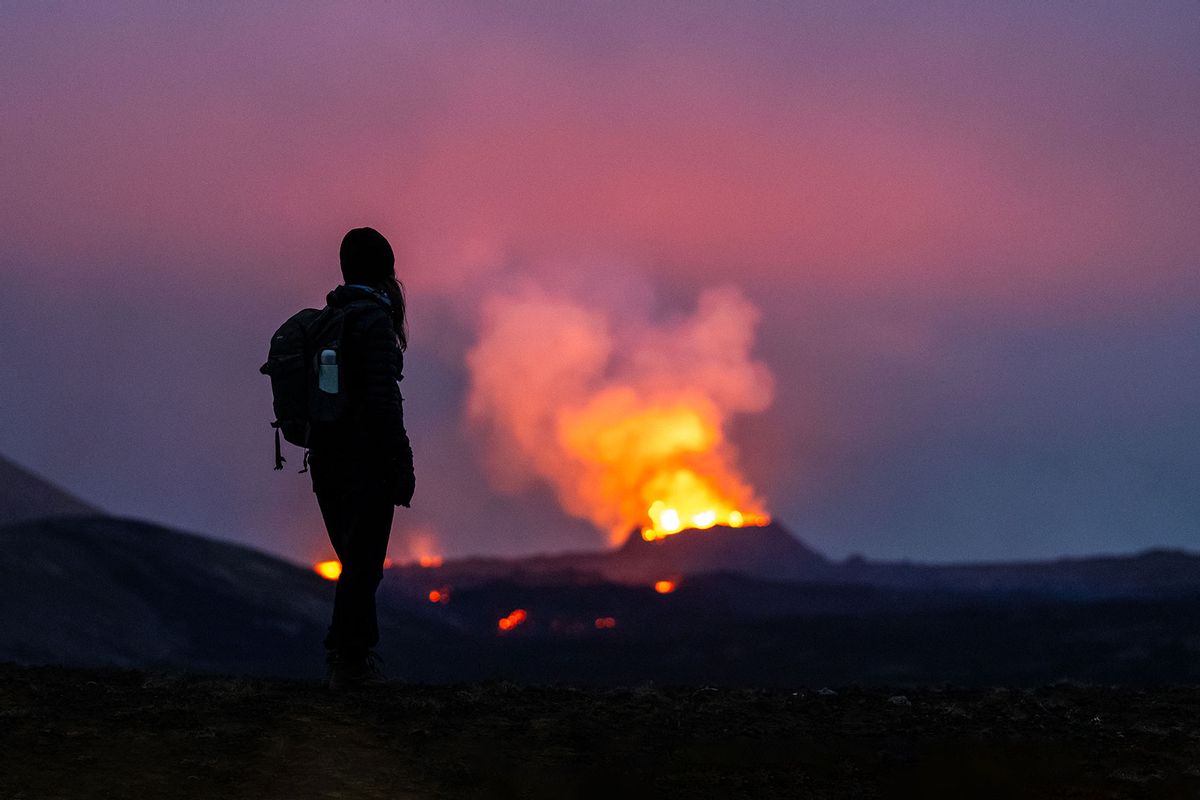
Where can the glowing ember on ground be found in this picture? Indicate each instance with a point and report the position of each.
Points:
(665, 587)
(512, 620)
(422, 547)
(440, 595)
(329, 570)
(605, 622)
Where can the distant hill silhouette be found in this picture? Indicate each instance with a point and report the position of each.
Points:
(25, 495)
(105, 591)
(774, 554)
(115, 592)
(769, 552)
(1149, 573)
(100, 591)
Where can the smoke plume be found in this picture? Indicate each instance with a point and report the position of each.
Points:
(624, 418)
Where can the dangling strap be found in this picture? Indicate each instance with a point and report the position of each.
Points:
(279, 459)
(305, 462)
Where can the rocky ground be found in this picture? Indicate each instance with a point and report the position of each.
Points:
(68, 733)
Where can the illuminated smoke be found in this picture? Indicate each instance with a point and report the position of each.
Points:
(624, 418)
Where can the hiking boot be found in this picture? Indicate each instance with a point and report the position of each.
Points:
(351, 672)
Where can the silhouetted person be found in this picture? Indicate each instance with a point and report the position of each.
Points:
(362, 464)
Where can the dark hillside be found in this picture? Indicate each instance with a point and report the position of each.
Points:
(110, 592)
(24, 496)
(105, 591)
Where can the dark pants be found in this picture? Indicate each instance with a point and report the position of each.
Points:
(358, 514)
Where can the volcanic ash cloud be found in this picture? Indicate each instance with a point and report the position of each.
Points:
(624, 419)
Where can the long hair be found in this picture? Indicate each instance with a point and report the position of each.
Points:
(367, 258)
(395, 292)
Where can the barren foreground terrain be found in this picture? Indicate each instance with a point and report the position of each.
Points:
(67, 733)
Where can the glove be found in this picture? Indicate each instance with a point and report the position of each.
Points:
(403, 487)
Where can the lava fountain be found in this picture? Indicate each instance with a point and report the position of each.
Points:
(624, 418)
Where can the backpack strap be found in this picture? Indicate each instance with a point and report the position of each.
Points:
(279, 459)
(356, 309)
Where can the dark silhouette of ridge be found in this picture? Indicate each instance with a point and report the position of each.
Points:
(25, 495)
(773, 553)
(770, 551)
(1151, 572)
(103, 591)
(118, 592)
(107, 591)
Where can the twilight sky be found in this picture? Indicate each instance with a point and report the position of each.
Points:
(971, 232)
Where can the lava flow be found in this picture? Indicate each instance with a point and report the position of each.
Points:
(512, 620)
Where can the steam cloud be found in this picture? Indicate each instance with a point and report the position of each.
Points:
(614, 413)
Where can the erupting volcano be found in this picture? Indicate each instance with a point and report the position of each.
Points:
(662, 464)
(624, 418)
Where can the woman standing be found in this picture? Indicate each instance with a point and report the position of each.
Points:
(362, 464)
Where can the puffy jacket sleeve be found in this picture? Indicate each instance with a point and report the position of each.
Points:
(383, 406)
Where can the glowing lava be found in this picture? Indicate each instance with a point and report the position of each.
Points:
(515, 618)
(694, 511)
(665, 587)
(661, 463)
(329, 570)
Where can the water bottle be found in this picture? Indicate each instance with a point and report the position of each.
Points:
(327, 374)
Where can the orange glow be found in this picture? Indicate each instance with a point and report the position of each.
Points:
(665, 587)
(441, 595)
(690, 494)
(387, 563)
(423, 549)
(514, 619)
(663, 463)
(605, 622)
(329, 570)
(635, 440)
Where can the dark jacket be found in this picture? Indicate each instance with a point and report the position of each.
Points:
(369, 441)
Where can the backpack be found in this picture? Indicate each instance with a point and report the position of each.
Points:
(303, 364)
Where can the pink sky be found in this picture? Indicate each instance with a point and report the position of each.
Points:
(970, 228)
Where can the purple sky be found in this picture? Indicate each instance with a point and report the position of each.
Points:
(971, 231)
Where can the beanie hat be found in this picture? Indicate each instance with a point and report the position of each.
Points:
(366, 257)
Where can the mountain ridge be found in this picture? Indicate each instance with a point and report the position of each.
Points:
(774, 553)
(106, 591)
(25, 495)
